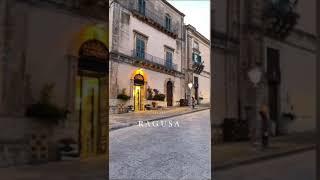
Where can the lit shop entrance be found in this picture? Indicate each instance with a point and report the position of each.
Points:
(92, 68)
(138, 90)
(138, 87)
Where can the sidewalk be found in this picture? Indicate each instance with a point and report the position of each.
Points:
(225, 156)
(232, 154)
(93, 168)
(117, 121)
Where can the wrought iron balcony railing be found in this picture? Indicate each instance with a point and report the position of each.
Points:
(157, 17)
(153, 60)
(198, 63)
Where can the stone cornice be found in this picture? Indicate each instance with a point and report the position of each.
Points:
(308, 35)
(120, 57)
(154, 24)
(295, 35)
(172, 7)
(197, 34)
(220, 36)
(222, 42)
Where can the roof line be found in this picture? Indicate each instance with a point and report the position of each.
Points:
(170, 5)
(189, 26)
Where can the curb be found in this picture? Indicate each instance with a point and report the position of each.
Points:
(235, 163)
(156, 119)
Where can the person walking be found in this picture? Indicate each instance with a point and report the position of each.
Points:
(193, 102)
(264, 113)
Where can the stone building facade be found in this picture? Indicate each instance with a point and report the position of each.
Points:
(242, 39)
(148, 41)
(197, 65)
(64, 43)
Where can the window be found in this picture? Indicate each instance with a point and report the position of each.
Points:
(142, 7)
(169, 55)
(168, 22)
(196, 58)
(140, 47)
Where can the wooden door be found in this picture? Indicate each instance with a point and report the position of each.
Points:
(169, 93)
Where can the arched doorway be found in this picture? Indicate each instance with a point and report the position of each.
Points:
(169, 93)
(92, 71)
(138, 90)
(138, 85)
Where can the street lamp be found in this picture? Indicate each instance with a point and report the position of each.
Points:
(255, 75)
(190, 99)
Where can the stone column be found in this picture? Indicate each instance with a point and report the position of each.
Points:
(113, 91)
(251, 53)
(5, 44)
(2, 48)
(104, 113)
(71, 83)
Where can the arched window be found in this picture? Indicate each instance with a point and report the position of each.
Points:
(168, 22)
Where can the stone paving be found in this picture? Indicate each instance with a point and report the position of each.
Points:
(301, 166)
(117, 121)
(162, 152)
(182, 152)
(89, 169)
(233, 154)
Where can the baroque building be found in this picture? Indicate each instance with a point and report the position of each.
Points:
(57, 44)
(148, 56)
(197, 65)
(277, 37)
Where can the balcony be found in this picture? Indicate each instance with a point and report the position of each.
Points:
(153, 61)
(155, 19)
(198, 63)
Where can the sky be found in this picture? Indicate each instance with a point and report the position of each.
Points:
(197, 13)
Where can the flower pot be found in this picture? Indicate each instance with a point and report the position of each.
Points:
(68, 152)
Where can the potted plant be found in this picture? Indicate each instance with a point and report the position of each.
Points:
(154, 104)
(156, 92)
(123, 95)
(44, 110)
(147, 107)
(159, 97)
(149, 94)
(68, 149)
(45, 115)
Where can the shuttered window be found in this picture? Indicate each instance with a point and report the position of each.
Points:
(140, 48)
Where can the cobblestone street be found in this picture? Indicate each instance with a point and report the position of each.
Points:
(239, 153)
(163, 152)
(128, 119)
(294, 167)
(92, 168)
